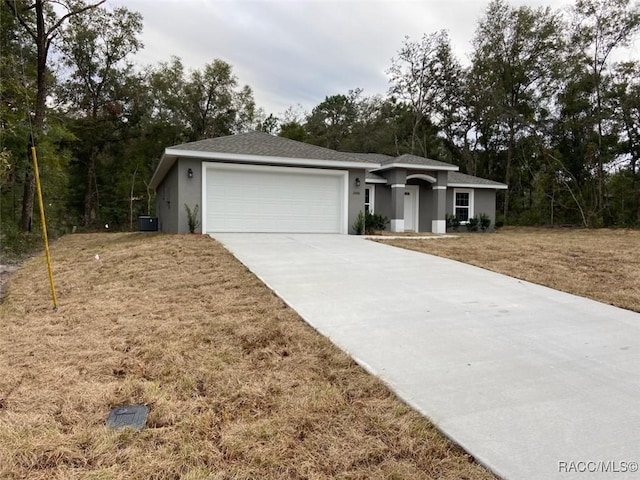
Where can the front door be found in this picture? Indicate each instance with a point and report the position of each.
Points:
(411, 208)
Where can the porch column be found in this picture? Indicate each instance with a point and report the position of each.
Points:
(397, 178)
(439, 222)
(397, 207)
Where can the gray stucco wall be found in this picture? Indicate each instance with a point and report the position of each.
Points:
(175, 190)
(167, 202)
(190, 192)
(425, 209)
(382, 202)
(396, 175)
(484, 201)
(450, 201)
(355, 196)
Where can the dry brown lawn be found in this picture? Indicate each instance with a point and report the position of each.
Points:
(239, 387)
(600, 264)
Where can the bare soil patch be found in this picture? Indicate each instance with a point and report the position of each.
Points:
(602, 264)
(238, 385)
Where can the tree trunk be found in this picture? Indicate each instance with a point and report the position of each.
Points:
(637, 183)
(414, 132)
(28, 195)
(507, 174)
(600, 205)
(133, 183)
(88, 192)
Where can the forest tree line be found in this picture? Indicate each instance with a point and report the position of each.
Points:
(544, 104)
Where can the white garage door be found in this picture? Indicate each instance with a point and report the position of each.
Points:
(251, 198)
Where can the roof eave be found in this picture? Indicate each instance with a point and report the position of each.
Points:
(165, 164)
(241, 157)
(500, 186)
(417, 166)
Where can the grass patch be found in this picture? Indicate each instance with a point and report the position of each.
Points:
(238, 385)
(601, 264)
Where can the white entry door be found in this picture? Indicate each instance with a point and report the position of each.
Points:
(411, 208)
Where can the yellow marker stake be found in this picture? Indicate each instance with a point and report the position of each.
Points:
(44, 226)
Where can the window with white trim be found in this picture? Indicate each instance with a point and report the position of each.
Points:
(463, 204)
(369, 195)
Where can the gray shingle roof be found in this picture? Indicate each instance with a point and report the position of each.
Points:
(415, 160)
(263, 144)
(372, 157)
(464, 179)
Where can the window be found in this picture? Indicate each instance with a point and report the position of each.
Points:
(369, 194)
(463, 204)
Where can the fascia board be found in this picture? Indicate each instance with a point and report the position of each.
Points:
(414, 166)
(166, 162)
(478, 185)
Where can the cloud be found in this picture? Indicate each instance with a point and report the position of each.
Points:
(297, 52)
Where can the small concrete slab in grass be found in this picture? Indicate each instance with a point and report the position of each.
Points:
(132, 416)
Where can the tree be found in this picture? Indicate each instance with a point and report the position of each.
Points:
(512, 67)
(332, 120)
(425, 76)
(293, 130)
(623, 99)
(244, 109)
(268, 124)
(292, 124)
(387, 126)
(599, 28)
(17, 93)
(381, 125)
(165, 84)
(204, 103)
(47, 27)
(96, 48)
(208, 101)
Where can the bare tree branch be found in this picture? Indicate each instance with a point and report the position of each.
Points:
(71, 14)
(13, 6)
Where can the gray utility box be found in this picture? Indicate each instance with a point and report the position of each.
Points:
(147, 224)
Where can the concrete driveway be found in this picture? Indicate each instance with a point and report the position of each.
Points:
(534, 383)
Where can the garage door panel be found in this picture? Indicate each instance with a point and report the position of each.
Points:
(274, 199)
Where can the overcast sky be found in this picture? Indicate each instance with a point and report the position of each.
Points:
(300, 51)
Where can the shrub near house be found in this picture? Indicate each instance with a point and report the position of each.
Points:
(370, 223)
(480, 222)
